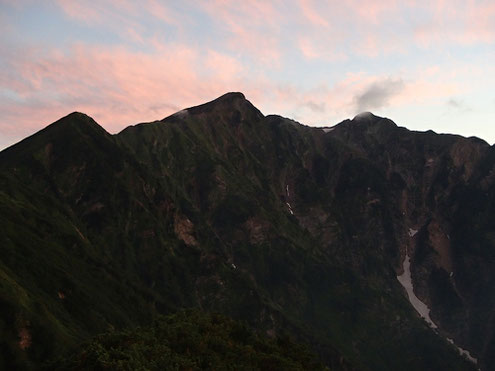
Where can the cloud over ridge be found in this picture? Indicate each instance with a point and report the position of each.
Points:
(378, 94)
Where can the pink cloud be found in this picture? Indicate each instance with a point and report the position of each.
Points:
(308, 49)
(118, 87)
(122, 17)
(481, 23)
(258, 29)
(253, 28)
(115, 86)
(249, 26)
(161, 11)
(457, 22)
(320, 49)
(313, 15)
(374, 11)
(373, 28)
(83, 12)
(226, 67)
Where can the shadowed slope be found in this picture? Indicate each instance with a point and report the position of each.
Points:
(216, 207)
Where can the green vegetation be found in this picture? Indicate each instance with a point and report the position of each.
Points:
(190, 340)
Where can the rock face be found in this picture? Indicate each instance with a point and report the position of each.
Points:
(292, 229)
(447, 192)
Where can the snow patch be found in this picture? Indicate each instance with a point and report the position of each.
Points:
(363, 115)
(327, 130)
(288, 195)
(412, 232)
(463, 352)
(290, 208)
(405, 280)
(234, 266)
(181, 113)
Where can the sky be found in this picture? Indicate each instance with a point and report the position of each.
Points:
(424, 64)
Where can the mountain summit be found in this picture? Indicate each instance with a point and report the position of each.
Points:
(298, 232)
(234, 105)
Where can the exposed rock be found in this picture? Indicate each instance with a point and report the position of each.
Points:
(24, 338)
(184, 230)
(440, 242)
(257, 230)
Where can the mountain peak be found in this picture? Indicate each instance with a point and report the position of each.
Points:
(76, 126)
(76, 118)
(231, 96)
(367, 120)
(77, 114)
(366, 116)
(227, 101)
(225, 105)
(76, 123)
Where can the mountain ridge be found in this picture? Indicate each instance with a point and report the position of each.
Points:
(258, 217)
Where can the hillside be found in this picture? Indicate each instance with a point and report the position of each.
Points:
(292, 229)
(190, 340)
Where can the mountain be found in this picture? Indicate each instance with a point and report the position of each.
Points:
(294, 230)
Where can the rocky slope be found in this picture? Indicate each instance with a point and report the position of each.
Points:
(293, 229)
(446, 195)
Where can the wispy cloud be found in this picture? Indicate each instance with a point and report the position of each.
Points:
(114, 85)
(378, 94)
(454, 103)
(458, 105)
(316, 107)
(251, 29)
(312, 14)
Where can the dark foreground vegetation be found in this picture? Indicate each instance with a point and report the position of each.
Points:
(190, 340)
